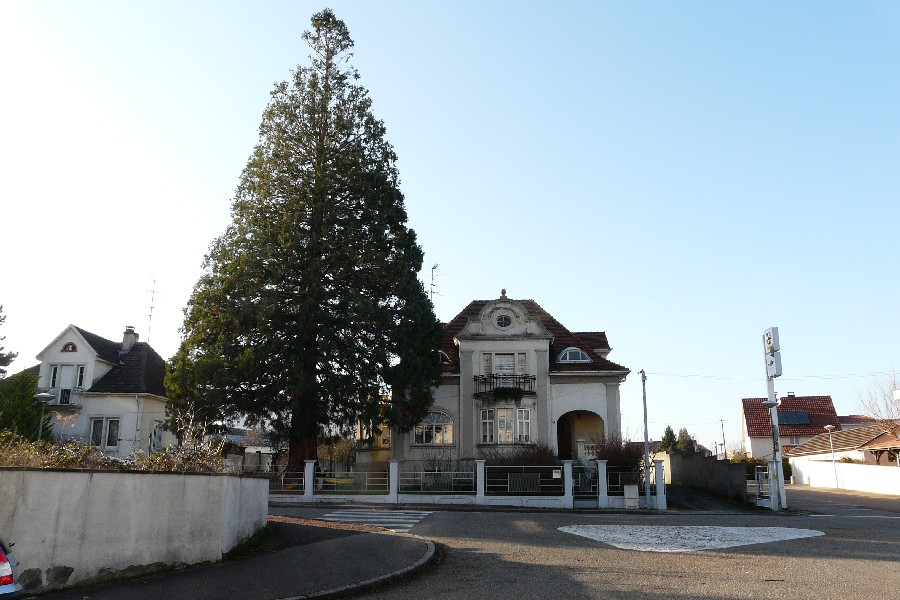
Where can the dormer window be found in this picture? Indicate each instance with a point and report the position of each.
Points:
(69, 347)
(573, 355)
(445, 358)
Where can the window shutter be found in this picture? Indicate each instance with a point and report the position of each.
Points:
(486, 359)
(520, 366)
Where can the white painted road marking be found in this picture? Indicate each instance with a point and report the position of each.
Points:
(395, 520)
(647, 538)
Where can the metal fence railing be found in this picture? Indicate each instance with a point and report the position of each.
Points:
(618, 477)
(428, 477)
(287, 482)
(763, 483)
(506, 480)
(584, 481)
(370, 479)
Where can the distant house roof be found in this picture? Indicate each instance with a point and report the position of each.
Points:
(856, 419)
(844, 441)
(562, 339)
(797, 416)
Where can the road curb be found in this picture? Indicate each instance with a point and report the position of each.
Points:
(379, 581)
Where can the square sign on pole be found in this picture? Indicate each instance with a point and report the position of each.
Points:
(773, 365)
(770, 340)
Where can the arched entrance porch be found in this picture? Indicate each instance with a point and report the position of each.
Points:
(577, 432)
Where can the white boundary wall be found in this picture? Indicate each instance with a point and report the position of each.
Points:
(78, 526)
(861, 478)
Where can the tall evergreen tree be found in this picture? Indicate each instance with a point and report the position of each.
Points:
(20, 413)
(310, 304)
(668, 441)
(5, 357)
(685, 443)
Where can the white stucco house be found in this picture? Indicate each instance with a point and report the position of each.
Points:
(514, 376)
(108, 393)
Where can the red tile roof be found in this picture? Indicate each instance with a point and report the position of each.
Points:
(562, 339)
(819, 408)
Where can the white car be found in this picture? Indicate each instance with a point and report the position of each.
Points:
(9, 576)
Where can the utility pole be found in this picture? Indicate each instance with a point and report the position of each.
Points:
(772, 352)
(722, 422)
(646, 444)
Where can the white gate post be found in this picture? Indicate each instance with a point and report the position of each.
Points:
(602, 485)
(479, 482)
(309, 474)
(660, 486)
(568, 484)
(394, 481)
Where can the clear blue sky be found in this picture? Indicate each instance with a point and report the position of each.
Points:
(679, 175)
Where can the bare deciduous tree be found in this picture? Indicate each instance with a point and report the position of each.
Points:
(877, 400)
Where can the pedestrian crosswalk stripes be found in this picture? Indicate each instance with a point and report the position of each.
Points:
(395, 520)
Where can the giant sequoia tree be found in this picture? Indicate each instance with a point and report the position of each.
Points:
(310, 305)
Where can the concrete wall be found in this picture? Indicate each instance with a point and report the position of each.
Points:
(706, 473)
(819, 472)
(79, 526)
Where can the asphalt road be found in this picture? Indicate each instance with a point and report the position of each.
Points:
(853, 552)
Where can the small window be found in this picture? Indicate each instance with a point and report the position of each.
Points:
(487, 426)
(503, 321)
(156, 437)
(105, 433)
(69, 347)
(572, 355)
(436, 429)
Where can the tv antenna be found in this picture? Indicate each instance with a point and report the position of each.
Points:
(153, 294)
(431, 291)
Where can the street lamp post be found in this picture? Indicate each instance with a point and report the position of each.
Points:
(829, 429)
(43, 397)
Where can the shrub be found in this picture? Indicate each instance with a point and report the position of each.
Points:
(539, 454)
(618, 452)
(15, 451)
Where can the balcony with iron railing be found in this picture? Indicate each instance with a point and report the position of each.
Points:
(65, 398)
(504, 387)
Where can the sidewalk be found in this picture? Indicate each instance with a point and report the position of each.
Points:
(307, 559)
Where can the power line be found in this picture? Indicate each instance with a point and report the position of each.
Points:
(795, 378)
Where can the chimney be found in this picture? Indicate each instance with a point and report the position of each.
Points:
(129, 339)
(790, 394)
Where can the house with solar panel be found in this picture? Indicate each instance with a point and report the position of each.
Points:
(800, 418)
(108, 393)
(514, 376)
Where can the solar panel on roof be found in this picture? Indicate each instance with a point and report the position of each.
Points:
(793, 417)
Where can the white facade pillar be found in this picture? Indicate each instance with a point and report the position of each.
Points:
(309, 479)
(660, 485)
(568, 484)
(479, 482)
(602, 485)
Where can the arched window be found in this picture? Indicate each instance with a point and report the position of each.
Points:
(445, 358)
(69, 347)
(436, 429)
(573, 355)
